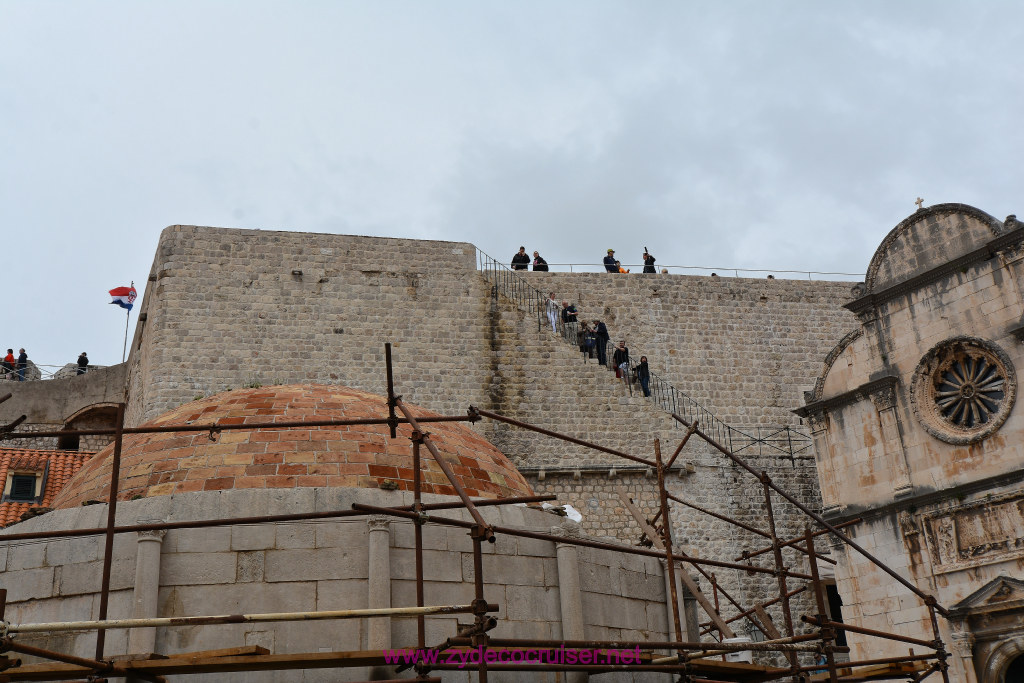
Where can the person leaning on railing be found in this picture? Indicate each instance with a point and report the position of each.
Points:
(83, 363)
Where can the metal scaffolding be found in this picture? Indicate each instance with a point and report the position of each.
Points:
(688, 662)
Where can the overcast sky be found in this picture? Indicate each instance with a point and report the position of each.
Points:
(782, 135)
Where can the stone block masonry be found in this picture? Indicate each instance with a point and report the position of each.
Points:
(231, 308)
(744, 348)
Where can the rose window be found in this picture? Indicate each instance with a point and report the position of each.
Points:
(963, 390)
(968, 393)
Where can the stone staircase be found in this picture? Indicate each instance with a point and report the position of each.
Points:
(513, 296)
(538, 377)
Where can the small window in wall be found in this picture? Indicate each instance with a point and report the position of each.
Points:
(23, 488)
(835, 610)
(68, 442)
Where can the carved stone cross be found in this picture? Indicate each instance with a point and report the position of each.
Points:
(919, 202)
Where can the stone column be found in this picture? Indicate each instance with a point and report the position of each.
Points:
(569, 598)
(892, 440)
(826, 466)
(379, 582)
(963, 648)
(146, 594)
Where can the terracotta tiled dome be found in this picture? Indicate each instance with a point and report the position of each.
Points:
(352, 456)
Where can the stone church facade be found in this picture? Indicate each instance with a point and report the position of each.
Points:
(917, 435)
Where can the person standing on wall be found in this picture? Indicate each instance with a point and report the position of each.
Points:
(8, 364)
(602, 337)
(643, 375)
(521, 261)
(539, 264)
(609, 262)
(552, 308)
(621, 360)
(83, 363)
(22, 364)
(648, 262)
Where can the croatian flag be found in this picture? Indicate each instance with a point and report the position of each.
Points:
(123, 296)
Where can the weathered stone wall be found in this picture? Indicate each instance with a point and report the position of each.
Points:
(939, 490)
(48, 404)
(744, 348)
(318, 565)
(226, 308)
(233, 308)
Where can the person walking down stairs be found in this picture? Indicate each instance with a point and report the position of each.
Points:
(621, 360)
(602, 336)
(643, 375)
(551, 306)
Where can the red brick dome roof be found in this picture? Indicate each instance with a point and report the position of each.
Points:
(348, 456)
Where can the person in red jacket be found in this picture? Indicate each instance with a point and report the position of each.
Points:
(8, 364)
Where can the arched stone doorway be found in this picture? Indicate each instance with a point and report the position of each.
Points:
(989, 628)
(96, 416)
(1005, 663)
(1015, 671)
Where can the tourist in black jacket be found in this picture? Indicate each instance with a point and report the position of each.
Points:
(643, 375)
(521, 261)
(648, 262)
(539, 263)
(601, 332)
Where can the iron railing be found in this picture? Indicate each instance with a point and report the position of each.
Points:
(783, 441)
(713, 271)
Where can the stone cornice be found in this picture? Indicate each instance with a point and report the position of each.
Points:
(875, 299)
(853, 396)
(924, 499)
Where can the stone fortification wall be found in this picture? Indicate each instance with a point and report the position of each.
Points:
(227, 308)
(541, 379)
(744, 348)
(48, 404)
(232, 308)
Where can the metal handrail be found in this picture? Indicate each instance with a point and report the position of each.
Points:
(722, 271)
(44, 373)
(785, 441)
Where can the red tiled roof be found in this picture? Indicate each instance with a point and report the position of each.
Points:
(63, 466)
(346, 456)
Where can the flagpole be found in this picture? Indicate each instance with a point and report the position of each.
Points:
(127, 315)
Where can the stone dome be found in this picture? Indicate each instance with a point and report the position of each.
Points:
(349, 456)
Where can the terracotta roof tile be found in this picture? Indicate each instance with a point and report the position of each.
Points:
(354, 455)
(63, 465)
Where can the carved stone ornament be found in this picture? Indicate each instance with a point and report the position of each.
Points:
(152, 535)
(884, 399)
(963, 644)
(568, 528)
(963, 390)
(818, 422)
(378, 522)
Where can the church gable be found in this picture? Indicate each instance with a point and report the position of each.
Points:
(928, 238)
(999, 594)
